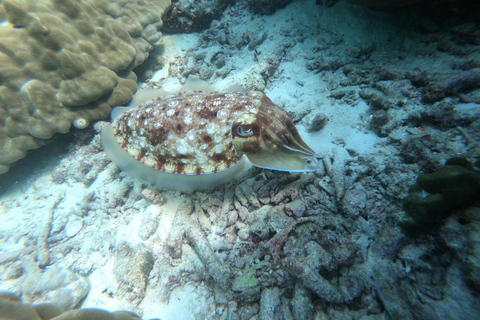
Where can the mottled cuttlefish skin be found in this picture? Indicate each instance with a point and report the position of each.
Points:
(186, 133)
(200, 139)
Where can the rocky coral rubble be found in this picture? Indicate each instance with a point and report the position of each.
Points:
(270, 244)
(274, 244)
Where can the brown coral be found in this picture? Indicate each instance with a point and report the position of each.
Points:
(67, 62)
(12, 309)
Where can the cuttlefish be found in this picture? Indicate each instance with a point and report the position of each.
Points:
(199, 139)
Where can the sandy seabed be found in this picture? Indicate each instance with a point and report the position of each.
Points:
(381, 97)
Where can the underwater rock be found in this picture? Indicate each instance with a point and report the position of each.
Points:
(431, 199)
(267, 6)
(309, 276)
(378, 120)
(312, 267)
(153, 196)
(84, 163)
(132, 269)
(451, 86)
(317, 122)
(326, 63)
(443, 116)
(355, 200)
(376, 99)
(9, 296)
(473, 262)
(248, 283)
(433, 93)
(56, 285)
(149, 223)
(44, 257)
(418, 77)
(301, 303)
(385, 4)
(73, 226)
(270, 303)
(460, 235)
(186, 16)
(183, 226)
(297, 207)
(258, 221)
(466, 113)
(417, 149)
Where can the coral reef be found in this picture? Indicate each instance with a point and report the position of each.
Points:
(67, 62)
(60, 286)
(432, 198)
(11, 308)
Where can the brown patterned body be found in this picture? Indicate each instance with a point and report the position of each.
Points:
(187, 133)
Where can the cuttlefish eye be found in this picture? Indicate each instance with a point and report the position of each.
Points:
(269, 139)
(245, 131)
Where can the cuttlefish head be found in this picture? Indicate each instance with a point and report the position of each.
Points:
(269, 139)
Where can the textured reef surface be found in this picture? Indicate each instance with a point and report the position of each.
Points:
(68, 62)
(386, 228)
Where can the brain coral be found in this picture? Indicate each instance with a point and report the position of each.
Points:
(11, 308)
(65, 62)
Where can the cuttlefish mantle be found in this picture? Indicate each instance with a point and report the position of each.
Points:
(199, 139)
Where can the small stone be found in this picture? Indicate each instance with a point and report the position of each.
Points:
(379, 118)
(243, 234)
(355, 199)
(149, 223)
(203, 220)
(232, 306)
(132, 267)
(269, 303)
(419, 78)
(73, 226)
(297, 208)
(397, 134)
(239, 224)
(248, 282)
(415, 131)
(317, 123)
(232, 217)
(153, 196)
(243, 213)
(13, 272)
